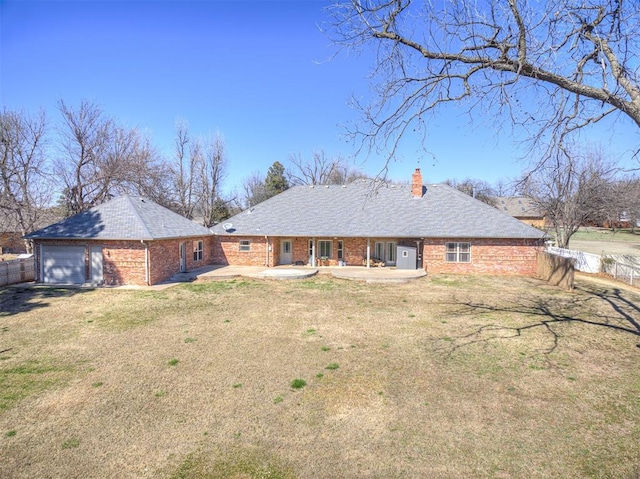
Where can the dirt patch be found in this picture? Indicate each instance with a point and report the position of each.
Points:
(449, 376)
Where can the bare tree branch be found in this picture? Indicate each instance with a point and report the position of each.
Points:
(551, 68)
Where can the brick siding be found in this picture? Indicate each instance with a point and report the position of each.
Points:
(226, 250)
(488, 256)
(124, 261)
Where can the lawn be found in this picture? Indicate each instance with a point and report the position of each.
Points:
(605, 241)
(444, 377)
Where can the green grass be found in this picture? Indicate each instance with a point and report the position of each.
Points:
(71, 443)
(602, 234)
(332, 366)
(30, 378)
(298, 383)
(499, 377)
(173, 362)
(239, 464)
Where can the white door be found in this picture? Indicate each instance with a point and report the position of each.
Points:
(286, 252)
(95, 253)
(183, 257)
(63, 264)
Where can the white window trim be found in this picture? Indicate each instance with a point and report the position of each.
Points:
(320, 242)
(457, 252)
(244, 246)
(198, 250)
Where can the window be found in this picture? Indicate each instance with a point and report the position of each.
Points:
(324, 248)
(340, 249)
(458, 252)
(198, 247)
(245, 245)
(391, 252)
(378, 251)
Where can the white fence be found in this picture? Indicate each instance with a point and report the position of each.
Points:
(16, 271)
(585, 262)
(621, 267)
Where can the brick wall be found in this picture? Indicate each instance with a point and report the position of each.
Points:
(488, 256)
(226, 250)
(124, 261)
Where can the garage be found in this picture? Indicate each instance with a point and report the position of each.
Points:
(63, 264)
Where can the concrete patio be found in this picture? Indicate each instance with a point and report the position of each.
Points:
(355, 273)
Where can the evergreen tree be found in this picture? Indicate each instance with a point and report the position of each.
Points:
(276, 181)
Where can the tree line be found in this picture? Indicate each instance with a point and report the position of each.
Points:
(92, 158)
(51, 170)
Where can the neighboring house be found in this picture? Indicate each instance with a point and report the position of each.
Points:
(128, 240)
(11, 237)
(11, 243)
(522, 209)
(410, 226)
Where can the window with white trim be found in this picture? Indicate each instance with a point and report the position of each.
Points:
(340, 249)
(378, 251)
(198, 248)
(245, 245)
(458, 253)
(324, 248)
(391, 252)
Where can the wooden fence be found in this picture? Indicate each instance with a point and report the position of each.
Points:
(556, 270)
(16, 271)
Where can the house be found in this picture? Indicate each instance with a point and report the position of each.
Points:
(128, 240)
(434, 227)
(521, 208)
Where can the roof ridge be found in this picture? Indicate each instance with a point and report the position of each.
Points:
(145, 229)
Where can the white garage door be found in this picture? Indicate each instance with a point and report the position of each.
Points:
(63, 264)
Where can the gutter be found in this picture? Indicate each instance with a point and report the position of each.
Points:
(146, 262)
(266, 251)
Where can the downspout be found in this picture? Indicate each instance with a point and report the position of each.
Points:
(368, 253)
(146, 262)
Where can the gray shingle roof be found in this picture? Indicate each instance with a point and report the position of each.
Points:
(518, 207)
(123, 218)
(365, 209)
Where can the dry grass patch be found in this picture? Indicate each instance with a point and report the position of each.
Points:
(451, 376)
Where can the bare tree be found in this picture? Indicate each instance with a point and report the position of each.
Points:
(183, 170)
(552, 68)
(572, 191)
(479, 189)
(25, 182)
(148, 174)
(210, 165)
(254, 189)
(100, 159)
(85, 137)
(320, 170)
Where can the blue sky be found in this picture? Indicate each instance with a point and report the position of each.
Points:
(259, 72)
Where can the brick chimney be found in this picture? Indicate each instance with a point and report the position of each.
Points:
(417, 190)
